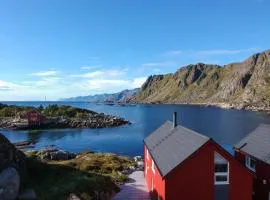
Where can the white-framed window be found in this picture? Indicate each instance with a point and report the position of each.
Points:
(250, 163)
(147, 154)
(153, 166)
(222, 170)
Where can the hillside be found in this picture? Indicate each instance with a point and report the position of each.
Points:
(244, 85)
(122, 97)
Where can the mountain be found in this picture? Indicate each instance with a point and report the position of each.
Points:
(122, 97)
(239, 85)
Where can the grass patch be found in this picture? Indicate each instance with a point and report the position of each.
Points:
(84, 176)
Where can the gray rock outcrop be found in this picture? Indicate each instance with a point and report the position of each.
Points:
(9, 184)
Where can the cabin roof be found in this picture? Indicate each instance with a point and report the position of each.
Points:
(170, 146)
(257, 143)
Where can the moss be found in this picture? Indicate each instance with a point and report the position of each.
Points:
(109, 164)
(87, 173)
(52, 181)
(49, 111)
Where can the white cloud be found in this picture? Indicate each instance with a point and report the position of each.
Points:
(91, 67)
(7, 86)
(106, 84)
(158, 64)
(138, 82)
(45, 73)
(101, 74)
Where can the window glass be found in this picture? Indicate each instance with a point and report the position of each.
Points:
(250, 163)
(221, 178)
(221, 167)
(221, 170)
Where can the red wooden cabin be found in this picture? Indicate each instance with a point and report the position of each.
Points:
(181, 164)
(34, 117)
(254, 153)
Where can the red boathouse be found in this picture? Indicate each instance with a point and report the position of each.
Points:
(35, 118)
(181, 164)
(254, 153)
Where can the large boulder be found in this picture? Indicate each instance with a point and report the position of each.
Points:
(52, 153)
(11, 157)
(9, 184)
(12, 169)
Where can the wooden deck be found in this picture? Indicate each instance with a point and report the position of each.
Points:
(135, 189)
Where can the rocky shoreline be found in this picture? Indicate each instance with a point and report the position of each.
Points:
(95, 121)
(52, 173)
(243, 106)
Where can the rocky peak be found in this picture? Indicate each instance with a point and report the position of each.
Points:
(245, 82)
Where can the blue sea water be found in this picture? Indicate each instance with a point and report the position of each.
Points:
(227, 127)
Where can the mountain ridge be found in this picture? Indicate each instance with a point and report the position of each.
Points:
(243, 85)
(119, 97)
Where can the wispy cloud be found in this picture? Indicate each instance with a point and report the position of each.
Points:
(138, 82)
(114, 84)
(158, 64)
(6, 86)
(45, 73)
(91, 67)
(101, 74)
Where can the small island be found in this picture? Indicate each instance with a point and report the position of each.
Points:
(54, 116)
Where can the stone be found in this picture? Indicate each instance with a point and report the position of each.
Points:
(11, 157)
(28, 194)
(140, 165)
(55, 154)
(9, 184)
(137, 158)
(73, 197)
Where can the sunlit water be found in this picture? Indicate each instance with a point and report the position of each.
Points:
(227, 127)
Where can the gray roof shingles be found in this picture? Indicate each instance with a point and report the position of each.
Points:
(257, 143)
(170, 146)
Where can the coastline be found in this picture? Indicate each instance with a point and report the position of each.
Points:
(227, 106)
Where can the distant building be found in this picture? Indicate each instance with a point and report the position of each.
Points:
(35, 118)
(254, 153)
(181, 164)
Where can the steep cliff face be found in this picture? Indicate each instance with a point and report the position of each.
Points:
(245, 84)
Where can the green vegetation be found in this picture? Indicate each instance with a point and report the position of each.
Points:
(86, 175)
(65, 111)
(242, 85)
(49, 111)
(11, 111)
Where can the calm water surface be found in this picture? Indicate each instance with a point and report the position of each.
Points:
(227, 127)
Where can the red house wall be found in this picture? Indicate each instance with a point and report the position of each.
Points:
(241, 180)
(159, 183)
(194, 178)
(261, 190)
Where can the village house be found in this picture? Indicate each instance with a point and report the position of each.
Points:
(32, 118)
(35, 118)
(254, 152)
(182, 164)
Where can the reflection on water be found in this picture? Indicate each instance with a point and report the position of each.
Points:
(225, 126)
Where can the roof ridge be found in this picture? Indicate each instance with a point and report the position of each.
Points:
(174, 130)
(165, 137)
(248, 135)
(193, 131)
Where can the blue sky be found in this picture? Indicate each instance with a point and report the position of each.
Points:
(69, 48)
